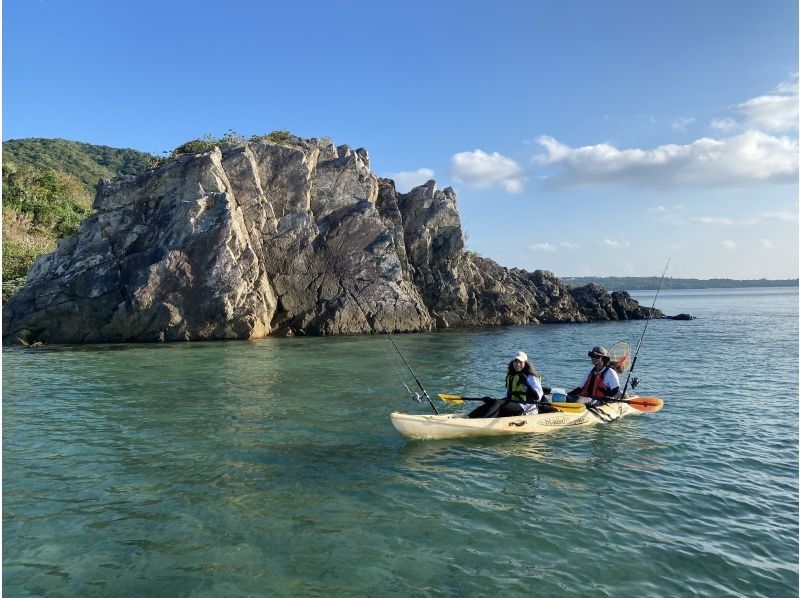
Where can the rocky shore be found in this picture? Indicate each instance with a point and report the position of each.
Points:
(263, 238)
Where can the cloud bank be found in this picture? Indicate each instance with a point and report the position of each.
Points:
(757, 154)
(748, 158)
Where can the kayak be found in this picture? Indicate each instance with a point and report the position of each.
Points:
(458, 425)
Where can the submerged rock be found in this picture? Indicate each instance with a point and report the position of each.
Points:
(286, 238)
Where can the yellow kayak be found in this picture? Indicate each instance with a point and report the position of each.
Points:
(458, 425)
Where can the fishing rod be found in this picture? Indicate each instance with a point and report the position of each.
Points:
(332, 264)
(422, 388)
(641, 338)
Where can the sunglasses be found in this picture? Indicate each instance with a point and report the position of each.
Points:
(594, 355)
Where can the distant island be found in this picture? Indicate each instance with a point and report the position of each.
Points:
(646, 283)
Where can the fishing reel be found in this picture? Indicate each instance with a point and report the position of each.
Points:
(634, 382)
(416, 397)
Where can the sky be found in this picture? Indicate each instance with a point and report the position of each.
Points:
(584, 137)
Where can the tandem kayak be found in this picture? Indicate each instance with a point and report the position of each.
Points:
(458, 425)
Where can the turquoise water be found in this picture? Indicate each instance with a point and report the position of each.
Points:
(271, 468)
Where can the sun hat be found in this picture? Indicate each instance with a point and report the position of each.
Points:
(522, 356)
(598, 352)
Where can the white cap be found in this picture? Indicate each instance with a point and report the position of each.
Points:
(523, 357)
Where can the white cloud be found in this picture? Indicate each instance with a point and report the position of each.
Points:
(682, 123)
(724, 124)
(546, 247)
(405, 181)
(727, 245)
(790, 86)
(777, 111)
(748, 158)
(569, 245)
(781, 216)
(658, 210)
(482, 170)
(767, 244)
(716, 220)
(682, 219)
(615, 244)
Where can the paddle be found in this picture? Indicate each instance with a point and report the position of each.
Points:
(647, 404)
(565, 407)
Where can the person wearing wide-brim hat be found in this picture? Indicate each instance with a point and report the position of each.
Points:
(523, 391)
(602, 381)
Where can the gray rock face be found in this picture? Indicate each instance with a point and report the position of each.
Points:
(291, 238)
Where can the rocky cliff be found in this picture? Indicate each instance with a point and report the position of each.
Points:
(262, 238)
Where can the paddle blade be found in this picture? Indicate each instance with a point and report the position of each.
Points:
(454, 399)
(648, 404)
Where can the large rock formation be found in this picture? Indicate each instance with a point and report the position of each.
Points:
(263, 238)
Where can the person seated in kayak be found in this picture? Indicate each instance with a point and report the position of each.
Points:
(602, 381)
(522, 387)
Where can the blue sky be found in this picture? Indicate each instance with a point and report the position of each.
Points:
(582, 137)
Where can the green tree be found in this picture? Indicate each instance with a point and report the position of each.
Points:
(40, 207)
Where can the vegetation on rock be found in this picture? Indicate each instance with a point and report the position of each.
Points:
(40, 207)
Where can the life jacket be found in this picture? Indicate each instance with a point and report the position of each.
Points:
(518, 389)
(595, 386)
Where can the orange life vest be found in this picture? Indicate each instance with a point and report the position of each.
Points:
(595, 386)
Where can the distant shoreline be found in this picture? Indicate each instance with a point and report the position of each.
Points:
(650, 283)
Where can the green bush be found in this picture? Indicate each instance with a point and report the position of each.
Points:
(196, 146)
(39, 208)
(22, 244)
(55, 201)
(232, 137)
(207, 142)
(156, 161)
(280, 136)
(12, 286)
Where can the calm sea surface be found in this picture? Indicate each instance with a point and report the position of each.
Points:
(271, 468)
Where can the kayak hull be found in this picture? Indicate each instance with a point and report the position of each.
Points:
(458, 425)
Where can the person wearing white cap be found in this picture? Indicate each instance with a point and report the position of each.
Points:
(522, 387)
(602, 381)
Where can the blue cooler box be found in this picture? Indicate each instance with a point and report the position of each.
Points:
(559, 395)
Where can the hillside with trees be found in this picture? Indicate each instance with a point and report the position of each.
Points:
(48, 188)
(85, 162)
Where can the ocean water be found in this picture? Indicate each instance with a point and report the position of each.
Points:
(270, 468)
